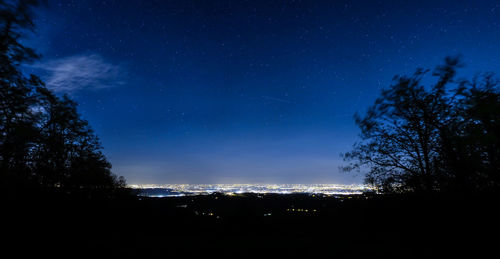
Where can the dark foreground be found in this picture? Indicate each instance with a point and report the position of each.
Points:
(256, 225)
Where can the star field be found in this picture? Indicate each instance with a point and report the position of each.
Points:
(245, 91)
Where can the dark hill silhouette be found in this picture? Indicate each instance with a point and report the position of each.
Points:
(399, 226)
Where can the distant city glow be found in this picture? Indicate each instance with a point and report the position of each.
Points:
(175, 190)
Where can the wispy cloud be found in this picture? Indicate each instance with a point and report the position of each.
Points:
(80, 72)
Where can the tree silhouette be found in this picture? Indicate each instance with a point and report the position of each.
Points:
(44, 142)
(420, 139)
(17, 122)
(471, 141)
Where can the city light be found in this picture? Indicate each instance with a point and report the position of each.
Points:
(171, 190)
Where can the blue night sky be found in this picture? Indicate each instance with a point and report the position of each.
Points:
(245, 91)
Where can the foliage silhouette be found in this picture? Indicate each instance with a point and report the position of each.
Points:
(439, 138)
(44, 142)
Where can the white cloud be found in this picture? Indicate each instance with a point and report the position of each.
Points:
(79, 72)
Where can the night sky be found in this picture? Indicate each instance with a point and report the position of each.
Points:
(245, 91)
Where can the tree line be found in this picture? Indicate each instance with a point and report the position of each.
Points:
(444, 136)
(44, 142)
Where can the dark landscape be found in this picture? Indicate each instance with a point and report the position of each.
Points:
(355, 226)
